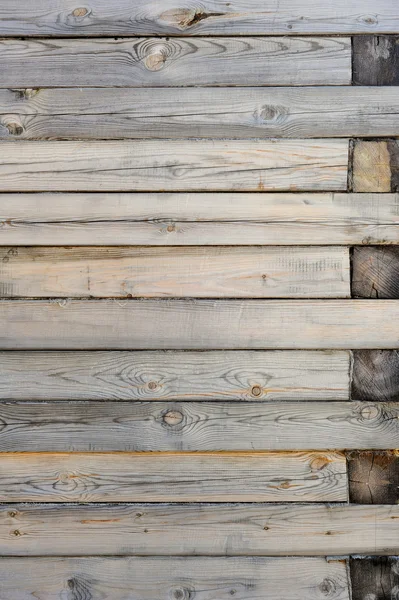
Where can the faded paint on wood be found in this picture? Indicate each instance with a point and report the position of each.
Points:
(374, 477)
(376, 577)
(376, 60)
(376, 376)
(375, 272)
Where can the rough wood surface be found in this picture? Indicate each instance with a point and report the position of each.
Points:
(198, 219)
(376, 60)
(216, 17)
(226, 375)
(207, 272)
(375, 272)
(198, 529)
(152, 62)
(175, 578)
(198, 324)
(374, 477)
(118, 113)
(190, 426)
(175, 477)
(376, 375)
(376, 578)
(175, 165)
(375, 166)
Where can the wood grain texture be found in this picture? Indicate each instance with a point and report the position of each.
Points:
(152, 62)
(214, 17)
(375, 166)
(157, 477)
(226, 375)
(198, 219)
(376, 577)
(198, 529)
(375, 375)
(374, 477)
(375, 272)
(376, 60)
(199, 272)
(148, 578)
(175, 165)
(198, 324)
(201, 426)
(122, 113)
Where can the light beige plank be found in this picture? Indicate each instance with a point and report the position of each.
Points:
(254, 165)
(206, 272)
(158, 477)
(371, 166)
(175, 62)
(198, 219)
(226, 375)
(198, 324)
(200, 529)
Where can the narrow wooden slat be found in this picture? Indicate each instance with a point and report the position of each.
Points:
(227, 375)
(190, 426)
(198, 219)
(374, 477)
(175, 165)
(216, 17)
(200, 529)
(376, 166)
(375, 60)
(376, 577)
(175, 62)
(207, 272)
(198, 324)
(118, 113)
(375, 272)
(375, 375)
(175, 578)
(158, 477)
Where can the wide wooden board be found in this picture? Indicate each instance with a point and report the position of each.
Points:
(198, 529)
(198, 324)
(175, 62)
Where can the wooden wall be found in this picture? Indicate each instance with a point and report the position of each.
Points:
(199, 314)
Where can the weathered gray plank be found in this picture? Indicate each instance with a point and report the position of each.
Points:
(173, 477)
(375, 166)
(376, 375)
(118, 113)
(175, 62)
(200, 529)
(189, 426)
(49, 17)
(198, 324)
(375, 272)
(227, 375)
(198, 219)
(148, 578)
(376, 577)
(374, 477)
(198, 272)
(174, 165)
(375, 60)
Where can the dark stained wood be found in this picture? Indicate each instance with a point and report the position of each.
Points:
(375, 272)
(375, 578)
(374, 477)
(375, 375)
(376, 60)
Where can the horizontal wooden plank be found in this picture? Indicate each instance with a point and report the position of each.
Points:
(190, 426)
(200, 529)
(376, 376)
(198, 219)
(118, 113)
(207, 272)
(226, 375)
(175, 577)
(175, 62)
(174, 165)
(158, 477)
(375, 60)
(376, 577)
(49, 17)
(375, 272)
(198, 324)
(374, 477)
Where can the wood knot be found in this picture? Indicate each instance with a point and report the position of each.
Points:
(180, 593)
(15, 128)
(12, 514)
(152, 385)
(17, 533)
(256, 390)
(173, 417)
(155, 61)
(319, 463)
(327, 587)
(171, 228)
(369, 412)
(81, 11)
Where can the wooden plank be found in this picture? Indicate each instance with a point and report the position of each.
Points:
(201, 426)
(214, 17)
(173, 477)
(375, 60)
(226, 375)
(374, 477)
(375, 375)
(174, 165)
(201, 272)
(198, 529)
(169, 62)
(122, 113)
(375, 272)
(375, 166)
(198, 219)
(175, 577)
(198, 324)
(376, 577)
